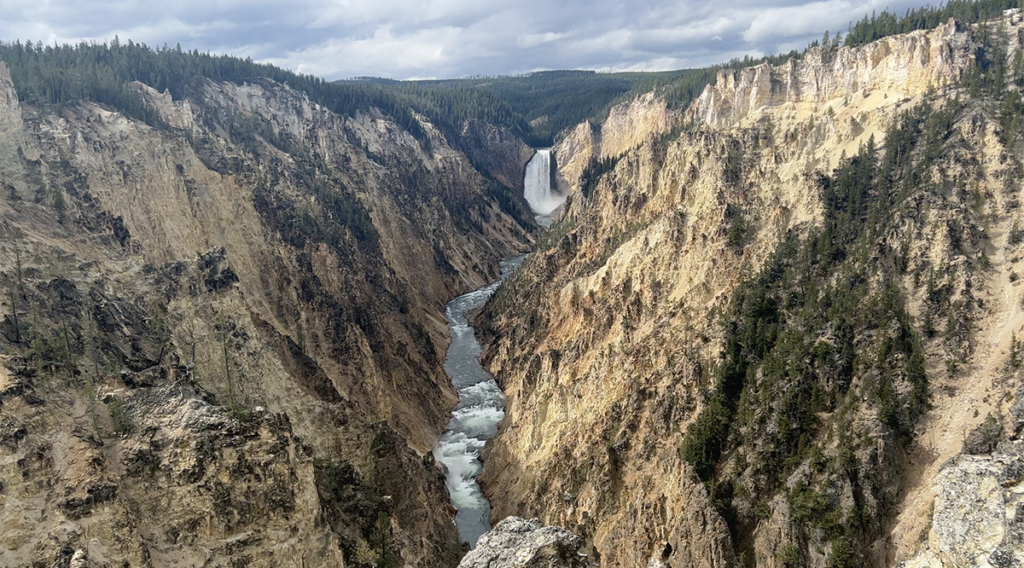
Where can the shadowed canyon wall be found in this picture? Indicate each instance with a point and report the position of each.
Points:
(223, 336)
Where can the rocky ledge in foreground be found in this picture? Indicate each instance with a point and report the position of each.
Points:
(518, 543)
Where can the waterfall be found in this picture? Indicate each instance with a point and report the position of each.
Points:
(538, 193)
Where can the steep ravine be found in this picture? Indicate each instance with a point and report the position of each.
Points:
(758, 336)
(481, 404)
(221, 337)
(475, 419)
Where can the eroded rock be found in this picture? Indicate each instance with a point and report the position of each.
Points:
(519, 543)
(979, 512)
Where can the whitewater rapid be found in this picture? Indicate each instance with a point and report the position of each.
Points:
(537, 187)
(475, 419)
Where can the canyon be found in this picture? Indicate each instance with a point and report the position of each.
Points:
(775, 325)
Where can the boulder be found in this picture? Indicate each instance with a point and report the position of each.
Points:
(518, 543)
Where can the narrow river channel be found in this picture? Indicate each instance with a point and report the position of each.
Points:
(475, 420)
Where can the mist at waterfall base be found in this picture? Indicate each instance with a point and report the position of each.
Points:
(537, 191)
(475, 419)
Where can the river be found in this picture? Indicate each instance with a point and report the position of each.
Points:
(481, 403)
(475, 419)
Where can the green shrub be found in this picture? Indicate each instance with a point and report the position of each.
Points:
(788, 555)
(842, 555)
(121, 416)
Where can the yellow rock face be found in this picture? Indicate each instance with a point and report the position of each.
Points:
(608, 352)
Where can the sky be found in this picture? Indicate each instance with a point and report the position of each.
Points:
(409, 39)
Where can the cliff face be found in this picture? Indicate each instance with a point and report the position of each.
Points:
(628, 125)
(497, 152)
(900, 66)
(642, 414)
(223, 334)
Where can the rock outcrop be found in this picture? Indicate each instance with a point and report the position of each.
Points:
(977, 516)
(518, 543)
(979, 513)
(898, 66)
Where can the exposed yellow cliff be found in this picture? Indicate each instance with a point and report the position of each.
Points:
(608, 342)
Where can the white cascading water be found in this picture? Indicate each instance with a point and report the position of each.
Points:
(481, 405)
(538, 192)
(475, 420)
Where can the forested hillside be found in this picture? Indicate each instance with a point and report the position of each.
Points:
(47, 74)
(548, 101)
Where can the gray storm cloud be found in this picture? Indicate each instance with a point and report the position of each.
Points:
(446, 38)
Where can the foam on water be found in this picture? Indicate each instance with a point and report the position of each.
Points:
(475, 419)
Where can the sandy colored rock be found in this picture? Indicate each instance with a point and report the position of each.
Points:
(518, 543)
(979, 512)
(608, 351)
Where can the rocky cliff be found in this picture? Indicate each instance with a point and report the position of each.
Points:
(759, 335)
(627, 126)
(222, 338)
(899, 66)
(497, 152)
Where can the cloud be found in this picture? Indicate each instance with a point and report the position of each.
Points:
(446, 38)
(812, 18)
(533, 40)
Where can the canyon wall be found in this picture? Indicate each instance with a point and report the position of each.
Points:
(627, 126)
(641, 413)
(222, 339)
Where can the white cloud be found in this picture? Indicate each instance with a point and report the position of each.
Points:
(406, 54)
(533, 40)
(812, 18)
(446, 38)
